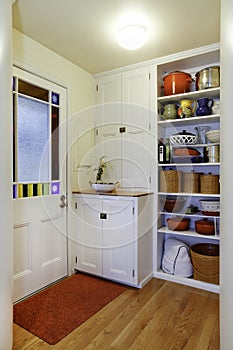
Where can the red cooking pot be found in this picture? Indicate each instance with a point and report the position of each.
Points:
(177, 83)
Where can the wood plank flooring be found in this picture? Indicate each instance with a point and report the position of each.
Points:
(161, 316)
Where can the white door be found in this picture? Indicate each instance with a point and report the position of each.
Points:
(39, 182)
(88, 235)
(119, 240)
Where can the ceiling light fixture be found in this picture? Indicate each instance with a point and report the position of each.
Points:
(132, 37)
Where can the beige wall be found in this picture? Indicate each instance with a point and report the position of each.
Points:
(81, 94)
(57, 68)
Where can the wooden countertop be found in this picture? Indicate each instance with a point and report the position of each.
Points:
(124, 193)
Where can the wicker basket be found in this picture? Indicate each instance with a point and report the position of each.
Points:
(205, 260)
(191, 182)
(209, 184)
(170, 181)
(205, 278)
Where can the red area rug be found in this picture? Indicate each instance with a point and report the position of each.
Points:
(56, 311)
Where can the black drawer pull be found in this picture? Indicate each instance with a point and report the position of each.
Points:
(103, 216)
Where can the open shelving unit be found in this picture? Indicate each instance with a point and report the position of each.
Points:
(166, 128)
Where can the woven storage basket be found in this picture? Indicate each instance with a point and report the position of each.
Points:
(205, 278)
(209, 184)
(170, 181)
(205, 260)
(191, 182)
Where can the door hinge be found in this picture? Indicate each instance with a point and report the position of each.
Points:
(122, 129)
(76, 260)
(150, 179)
(76, 205)
(149, 126)
(96, 132)
(149, 76)
(132, 273)
(97, 87)
(133, 210)
(103, 216)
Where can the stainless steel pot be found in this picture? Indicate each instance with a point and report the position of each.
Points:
(208, 78)
(213, 152)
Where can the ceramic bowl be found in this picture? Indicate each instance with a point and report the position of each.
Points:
(211, 206)
(213, 136)
(104, 187)
(183, 139)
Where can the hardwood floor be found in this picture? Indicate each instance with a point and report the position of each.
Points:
(161, 316)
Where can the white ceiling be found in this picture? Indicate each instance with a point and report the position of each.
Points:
(84, 31)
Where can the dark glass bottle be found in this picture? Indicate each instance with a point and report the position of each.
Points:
(168, 152)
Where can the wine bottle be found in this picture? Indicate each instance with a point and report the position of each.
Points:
(168, 152)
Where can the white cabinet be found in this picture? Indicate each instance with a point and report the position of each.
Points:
(113, 237)
(166, 128)
(123, 125)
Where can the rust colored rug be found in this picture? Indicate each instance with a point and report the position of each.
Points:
(56, 311)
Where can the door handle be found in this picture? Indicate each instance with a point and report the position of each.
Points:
(63, 200)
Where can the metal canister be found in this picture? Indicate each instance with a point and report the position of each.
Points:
(208, 78)
(213, 153)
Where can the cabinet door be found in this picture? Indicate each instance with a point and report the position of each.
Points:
(108, 144)
(108, 122)
(119, 241)
(88, 236)
(135, 90)
(128, 147)
(108, 99)
(135, 158)
(136, 138)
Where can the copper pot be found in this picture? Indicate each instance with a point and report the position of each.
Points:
(178, 224)
(204, 227)
(174, 204)
(177, 83)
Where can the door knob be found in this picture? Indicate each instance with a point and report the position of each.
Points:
(63, 200)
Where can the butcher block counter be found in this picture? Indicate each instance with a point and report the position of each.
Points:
(123, 193)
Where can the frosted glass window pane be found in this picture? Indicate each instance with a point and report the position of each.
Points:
(33, 137)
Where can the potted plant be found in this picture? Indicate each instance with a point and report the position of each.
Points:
(99, 185)
(100, 169)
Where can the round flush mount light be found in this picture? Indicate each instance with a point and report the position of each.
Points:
(132, 37)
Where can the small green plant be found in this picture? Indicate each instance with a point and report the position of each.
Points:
(100, 169)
